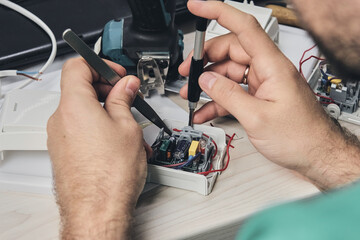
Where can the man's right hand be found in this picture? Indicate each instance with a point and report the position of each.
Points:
(280, 113)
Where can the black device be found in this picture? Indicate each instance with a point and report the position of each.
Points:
(22, 42)
(148, 43)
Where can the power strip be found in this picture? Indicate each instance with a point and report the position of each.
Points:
(24, 118)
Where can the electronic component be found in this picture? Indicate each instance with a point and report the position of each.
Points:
(164, 150)
(340, 97)
(194, 148)
(182, 150)
(198, 173)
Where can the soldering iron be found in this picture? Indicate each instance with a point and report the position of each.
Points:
(196, 68)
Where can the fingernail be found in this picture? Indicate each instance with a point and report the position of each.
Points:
(207, 80)
(131, 87)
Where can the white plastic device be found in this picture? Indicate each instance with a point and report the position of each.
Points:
(23, 123)
(186, 180)
(262, 15)
(333, 109)
(24, 117)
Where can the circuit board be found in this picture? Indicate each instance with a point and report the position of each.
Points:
(340, 97)
(187, 150)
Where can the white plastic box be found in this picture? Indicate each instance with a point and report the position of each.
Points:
(182, 179)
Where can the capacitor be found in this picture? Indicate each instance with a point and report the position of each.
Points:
(181, 150)
(171, 148)
(163, 149)
(202, 145)
(194, 148)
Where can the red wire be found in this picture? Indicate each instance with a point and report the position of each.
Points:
(28, 76)
(303, 55)
(301, 62)
(328, 98)
(228, 136)
(228, 160)
(173, 165)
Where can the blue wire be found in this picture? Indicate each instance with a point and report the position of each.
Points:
(24, 72)
(190, 160)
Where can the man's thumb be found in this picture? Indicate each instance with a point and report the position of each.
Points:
(121, 96)
(229, 95)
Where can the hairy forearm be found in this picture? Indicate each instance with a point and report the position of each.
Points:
(82, 219)
(336, 161)
(96, 226)
(93, 208)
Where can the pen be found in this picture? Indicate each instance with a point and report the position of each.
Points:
(111, 77)
(196, 67)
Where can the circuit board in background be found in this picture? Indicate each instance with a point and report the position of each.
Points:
(340, 97)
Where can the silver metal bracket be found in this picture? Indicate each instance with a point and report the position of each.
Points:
(152, 69)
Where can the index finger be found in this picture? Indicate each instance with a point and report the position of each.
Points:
(78, 77)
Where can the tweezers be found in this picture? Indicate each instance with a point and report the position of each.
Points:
(110, 76)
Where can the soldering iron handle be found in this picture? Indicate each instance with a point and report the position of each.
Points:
(201, 24)
(194, 90)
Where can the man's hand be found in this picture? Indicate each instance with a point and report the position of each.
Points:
(279, 112)
(97, 153)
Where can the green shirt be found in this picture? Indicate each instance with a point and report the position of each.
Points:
(330, 216)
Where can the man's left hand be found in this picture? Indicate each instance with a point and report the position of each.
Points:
(97, 153)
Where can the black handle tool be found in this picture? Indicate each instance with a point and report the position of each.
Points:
(110, 76)
(196, 68)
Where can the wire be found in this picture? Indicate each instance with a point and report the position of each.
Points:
(173, 165)
(303, 55)
(228, 160)
(302, 61)
(28, 76)
(191, 159)
(324, 97)
(25, 72)
(183, 164)
(41, 24)
(307, 59)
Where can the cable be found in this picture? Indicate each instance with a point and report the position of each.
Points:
(303, 55)
(190, 160)
(41, 24)
(228, 160)
(302, 61)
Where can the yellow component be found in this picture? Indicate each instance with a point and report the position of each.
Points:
(328, 89)
(336, 80)
(194, 148)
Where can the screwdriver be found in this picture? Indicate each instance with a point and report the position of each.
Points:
(110, 76)
(196, 68)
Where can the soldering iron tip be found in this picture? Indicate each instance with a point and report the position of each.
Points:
(191, 117)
